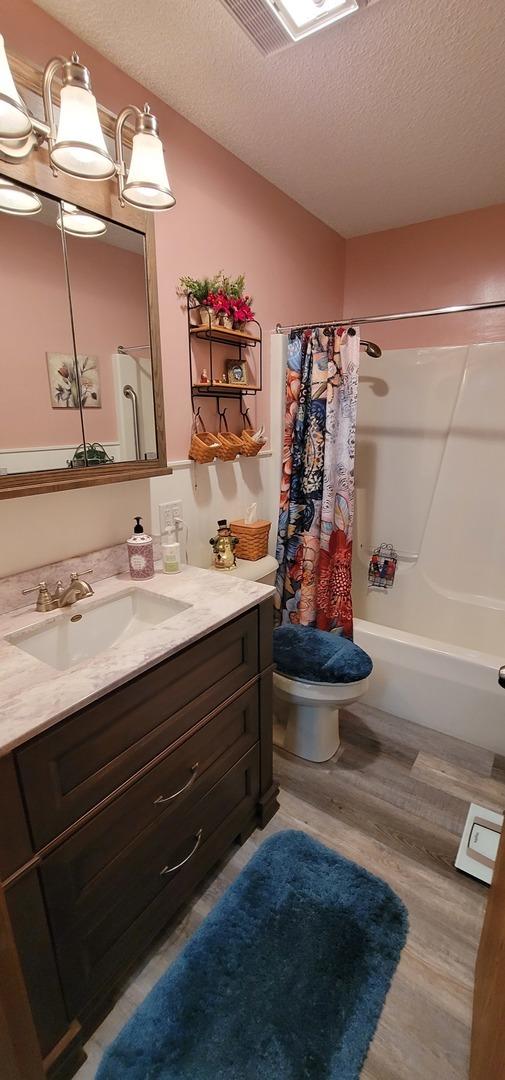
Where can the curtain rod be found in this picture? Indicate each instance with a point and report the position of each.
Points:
(483, 306)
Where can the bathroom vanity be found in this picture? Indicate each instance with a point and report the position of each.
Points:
(123, 780)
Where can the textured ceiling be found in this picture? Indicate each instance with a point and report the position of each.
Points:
(394, 115)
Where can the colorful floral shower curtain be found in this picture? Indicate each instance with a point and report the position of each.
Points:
(314, 542)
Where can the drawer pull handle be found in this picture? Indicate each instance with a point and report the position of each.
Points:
(168, 798)
(194, 849)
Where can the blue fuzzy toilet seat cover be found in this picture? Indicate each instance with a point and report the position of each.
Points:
(303, 652)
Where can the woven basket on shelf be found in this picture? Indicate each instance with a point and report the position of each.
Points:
(253, 539)
(229, 444)
(250, 446)
(204, 444)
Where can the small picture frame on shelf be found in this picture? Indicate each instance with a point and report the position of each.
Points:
(236, 372)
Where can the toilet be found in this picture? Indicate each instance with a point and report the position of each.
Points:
(306, 711)
(317, 673)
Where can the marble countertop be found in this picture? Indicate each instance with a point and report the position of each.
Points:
(34, 696)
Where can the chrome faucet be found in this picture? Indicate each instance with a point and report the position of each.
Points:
(76, 590)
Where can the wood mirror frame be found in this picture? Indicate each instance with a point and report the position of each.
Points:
(100, 197)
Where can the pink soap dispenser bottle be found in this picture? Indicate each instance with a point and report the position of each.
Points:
(140, 553)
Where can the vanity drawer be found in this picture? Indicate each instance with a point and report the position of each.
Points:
(103, 920)
(67, 771)
(182, 778)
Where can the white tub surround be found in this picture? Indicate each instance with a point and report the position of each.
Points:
(34, 695)
(446, 687)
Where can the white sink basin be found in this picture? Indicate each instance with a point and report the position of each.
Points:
(89, 627)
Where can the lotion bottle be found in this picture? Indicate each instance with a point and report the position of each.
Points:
(170, 552)
(140, 553)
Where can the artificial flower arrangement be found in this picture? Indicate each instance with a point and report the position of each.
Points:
(221, 299)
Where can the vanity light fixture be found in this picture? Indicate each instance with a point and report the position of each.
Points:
(147, 185)
(76, 144)
(78, 223)
(18, 200)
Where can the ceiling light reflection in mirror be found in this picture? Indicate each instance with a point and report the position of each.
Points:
(18, 200)
(77, 223)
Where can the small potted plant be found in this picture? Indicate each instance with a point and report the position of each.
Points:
(200, 290)
(241, 311)
(221, 307)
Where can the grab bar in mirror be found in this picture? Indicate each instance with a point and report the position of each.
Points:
(130, 393)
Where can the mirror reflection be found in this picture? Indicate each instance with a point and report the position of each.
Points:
(40, 416)
(69, 401)
(111, 321)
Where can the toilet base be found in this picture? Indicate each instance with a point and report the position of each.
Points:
(306, 715)
(309, 732)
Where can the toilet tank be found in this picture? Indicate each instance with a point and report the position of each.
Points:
(263, 570)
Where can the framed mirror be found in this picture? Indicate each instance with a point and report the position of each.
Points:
(82, 396)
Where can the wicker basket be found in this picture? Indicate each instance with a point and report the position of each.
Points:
(250, 446)
(253, 539)
(229, 444)
(204, 445)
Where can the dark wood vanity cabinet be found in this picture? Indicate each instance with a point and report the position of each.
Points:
(112, 817)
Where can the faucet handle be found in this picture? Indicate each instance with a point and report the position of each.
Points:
(45, 602)
(76, 574)
(36, 588)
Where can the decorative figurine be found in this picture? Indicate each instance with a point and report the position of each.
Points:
(224, 545)
(204, 377)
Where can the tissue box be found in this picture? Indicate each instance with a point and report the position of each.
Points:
(253, 539)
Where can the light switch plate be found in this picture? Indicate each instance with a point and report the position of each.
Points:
(479, 843)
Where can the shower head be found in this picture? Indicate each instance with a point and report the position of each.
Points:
(372, 349)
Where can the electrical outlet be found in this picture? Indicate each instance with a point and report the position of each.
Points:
(168, 513)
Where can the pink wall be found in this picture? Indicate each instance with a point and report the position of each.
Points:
(453, 260)
(226, 216)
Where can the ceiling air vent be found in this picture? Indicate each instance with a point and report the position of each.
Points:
(275, 24)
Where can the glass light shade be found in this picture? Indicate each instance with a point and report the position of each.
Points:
(77, 223)
(80, 148)
(17, 200)
(147, 184)
(15, 122)
(17, 149)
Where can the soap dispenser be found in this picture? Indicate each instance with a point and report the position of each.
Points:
(140, 553)
(170, 551)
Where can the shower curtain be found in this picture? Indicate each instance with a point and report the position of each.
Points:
(314, 541)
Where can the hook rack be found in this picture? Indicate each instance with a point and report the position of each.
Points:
(222, 415)
(245, 415)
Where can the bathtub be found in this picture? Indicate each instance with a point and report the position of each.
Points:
(447, 687)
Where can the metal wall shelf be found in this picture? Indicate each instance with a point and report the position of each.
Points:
(221, 336)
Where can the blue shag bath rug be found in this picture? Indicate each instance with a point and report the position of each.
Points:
(284, 980)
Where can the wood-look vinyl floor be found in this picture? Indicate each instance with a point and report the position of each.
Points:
(394, 799)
